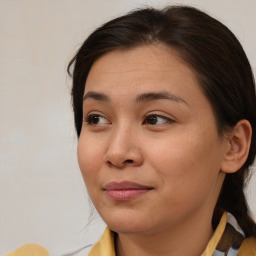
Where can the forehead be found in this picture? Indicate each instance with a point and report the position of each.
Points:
(150, 63)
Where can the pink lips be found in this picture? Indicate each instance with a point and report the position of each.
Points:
(124, 191)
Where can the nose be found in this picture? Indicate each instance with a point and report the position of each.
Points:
(123, 149)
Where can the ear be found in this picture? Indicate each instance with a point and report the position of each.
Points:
(239, 141)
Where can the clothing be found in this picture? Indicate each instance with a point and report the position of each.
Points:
(30, 250)
(227, 240)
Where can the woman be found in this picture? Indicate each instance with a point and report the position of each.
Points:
(165, 112)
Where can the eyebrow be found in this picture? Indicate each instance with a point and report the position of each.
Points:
(96, 96)
(162, 95)
(145, 97)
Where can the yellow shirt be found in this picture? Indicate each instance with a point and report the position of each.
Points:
(30, 250)
(105, 246)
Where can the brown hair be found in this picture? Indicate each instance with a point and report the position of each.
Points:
(216, 56)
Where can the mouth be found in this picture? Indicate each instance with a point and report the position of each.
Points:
(123, 191)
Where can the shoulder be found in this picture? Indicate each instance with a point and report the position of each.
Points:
(83, 252)
(248, 247)
(29, 249)
(38, 250)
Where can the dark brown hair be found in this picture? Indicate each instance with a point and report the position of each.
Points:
(216, 56)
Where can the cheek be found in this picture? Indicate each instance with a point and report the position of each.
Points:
(88, 154)
(190, 164)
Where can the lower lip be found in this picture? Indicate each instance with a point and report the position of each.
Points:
(125, 194)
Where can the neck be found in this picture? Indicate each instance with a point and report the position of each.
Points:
(188, 239)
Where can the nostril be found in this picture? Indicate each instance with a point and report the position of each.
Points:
(128, 161)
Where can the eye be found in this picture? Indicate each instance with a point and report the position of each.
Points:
(155, 119)
(95, 119)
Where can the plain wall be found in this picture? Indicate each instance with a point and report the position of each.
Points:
(42, 195)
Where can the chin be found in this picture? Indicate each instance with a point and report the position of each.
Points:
(128, 223)
(124, 228)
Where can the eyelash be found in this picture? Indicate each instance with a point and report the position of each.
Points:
(89, 119)
(155, 116)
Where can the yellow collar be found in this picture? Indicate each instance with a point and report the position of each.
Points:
(211, 246)
(105, 246)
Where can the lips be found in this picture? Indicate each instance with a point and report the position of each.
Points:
(124, 191)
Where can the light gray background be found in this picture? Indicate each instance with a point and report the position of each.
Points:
(42, 195)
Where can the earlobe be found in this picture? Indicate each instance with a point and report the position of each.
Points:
(239, 141)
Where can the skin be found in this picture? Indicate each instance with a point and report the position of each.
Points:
(177, 152)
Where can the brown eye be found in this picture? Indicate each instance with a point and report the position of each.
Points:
(156, 120)
(95, 119)
(151, 119)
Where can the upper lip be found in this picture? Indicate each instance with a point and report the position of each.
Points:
(125, 185)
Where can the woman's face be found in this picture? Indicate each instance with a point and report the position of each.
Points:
(149, 149)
